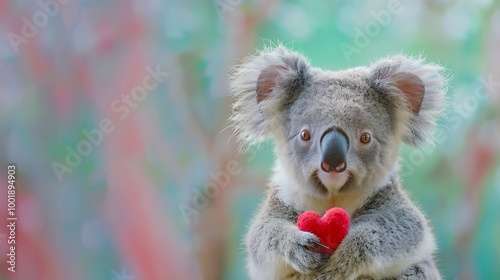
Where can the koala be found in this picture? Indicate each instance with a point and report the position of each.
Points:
(337, 136)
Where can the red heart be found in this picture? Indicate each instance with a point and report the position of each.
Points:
(330, 229)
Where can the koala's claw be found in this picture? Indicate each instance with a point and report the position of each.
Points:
(304, 256)
(306, 239)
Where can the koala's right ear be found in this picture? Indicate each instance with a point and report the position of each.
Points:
(262, 86)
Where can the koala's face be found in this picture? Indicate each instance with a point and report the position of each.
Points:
(339, 134)
(335, 132)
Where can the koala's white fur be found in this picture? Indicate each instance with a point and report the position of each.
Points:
(278, 95)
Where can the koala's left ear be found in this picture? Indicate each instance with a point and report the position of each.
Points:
(417, 90)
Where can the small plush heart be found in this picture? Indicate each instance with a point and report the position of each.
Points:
(330, 229)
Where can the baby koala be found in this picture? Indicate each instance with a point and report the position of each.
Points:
(337, 137)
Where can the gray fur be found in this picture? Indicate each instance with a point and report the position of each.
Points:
(389, 237)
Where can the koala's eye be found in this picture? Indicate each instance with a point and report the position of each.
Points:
(305, 135)
(365, 138)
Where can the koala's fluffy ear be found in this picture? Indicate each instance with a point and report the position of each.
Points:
(261, 87)
(417, 90)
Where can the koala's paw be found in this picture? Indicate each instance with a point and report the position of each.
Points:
(332, 277)
(329, 276)
(303, 254)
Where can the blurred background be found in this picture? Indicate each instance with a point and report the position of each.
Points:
(114, 114)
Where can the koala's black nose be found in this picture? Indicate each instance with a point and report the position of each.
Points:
(334, 146)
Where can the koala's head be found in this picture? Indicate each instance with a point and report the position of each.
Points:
(335, 132)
